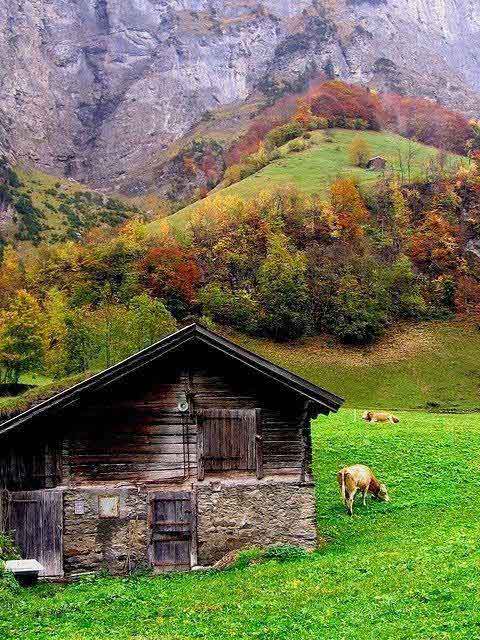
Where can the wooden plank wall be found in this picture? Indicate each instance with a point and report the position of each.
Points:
(140, 439)
(282, 414)
(29, 462)
(133, 431)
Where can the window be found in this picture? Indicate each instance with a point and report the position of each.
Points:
(108, 506)
(229, 439)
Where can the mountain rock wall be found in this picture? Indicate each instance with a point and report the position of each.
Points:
(95, 89)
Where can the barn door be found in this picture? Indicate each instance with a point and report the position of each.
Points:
(171, 518)
(35, 519)
(229, 439)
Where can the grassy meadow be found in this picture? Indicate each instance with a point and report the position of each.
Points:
(432, 366)
(403, 570)
(314, 169)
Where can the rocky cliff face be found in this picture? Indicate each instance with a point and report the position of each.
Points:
(95, 89)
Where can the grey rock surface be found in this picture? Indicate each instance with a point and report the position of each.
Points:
(95, 89)
(238, 516)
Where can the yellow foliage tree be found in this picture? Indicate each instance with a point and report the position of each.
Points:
(359, 151)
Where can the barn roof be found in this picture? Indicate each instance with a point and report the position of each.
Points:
(323, 400)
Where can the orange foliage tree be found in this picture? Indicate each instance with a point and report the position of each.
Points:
(348, 207)
(434, 246)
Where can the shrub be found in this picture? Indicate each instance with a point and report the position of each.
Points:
(280, 553)
(318, 123)
(8, 550)
(258, 160)
(281, 135)
(297, 145)
(274, 154)
(284, 552)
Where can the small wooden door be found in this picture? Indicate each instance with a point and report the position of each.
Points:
(229, 439)
(171, 518)
(35, 519)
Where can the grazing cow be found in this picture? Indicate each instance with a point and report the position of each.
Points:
(380, 416)
(360, 478)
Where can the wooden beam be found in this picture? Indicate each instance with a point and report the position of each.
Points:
(259, 445)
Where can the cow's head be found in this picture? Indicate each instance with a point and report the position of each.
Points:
(383, 493)
(367, 416)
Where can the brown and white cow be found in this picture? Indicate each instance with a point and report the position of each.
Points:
(380, 416)
(359, 478)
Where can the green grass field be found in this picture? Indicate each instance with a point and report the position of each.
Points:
(316, 168)
(406, 570)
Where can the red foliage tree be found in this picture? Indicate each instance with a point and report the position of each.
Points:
(467, 295)
(170, 271)
(434, 246)
(336, 100)
(427, 121)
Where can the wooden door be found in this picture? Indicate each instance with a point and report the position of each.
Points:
(229, 439)
(171, 518)
(35, 519)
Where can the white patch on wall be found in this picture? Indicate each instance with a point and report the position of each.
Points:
(108, 506)
(79, 507)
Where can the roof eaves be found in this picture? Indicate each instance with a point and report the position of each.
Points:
(313, 392)
(101, 379)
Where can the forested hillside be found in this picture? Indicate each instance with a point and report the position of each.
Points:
(349, 254)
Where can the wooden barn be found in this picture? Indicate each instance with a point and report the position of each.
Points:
(376, 164)
(170, 459)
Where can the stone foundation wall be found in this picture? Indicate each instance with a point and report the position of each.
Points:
(231, 514)
(235, 515)
(91, 542)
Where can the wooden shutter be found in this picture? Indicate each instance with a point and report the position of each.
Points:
(171, 515)
(228, 439)
(35, 519)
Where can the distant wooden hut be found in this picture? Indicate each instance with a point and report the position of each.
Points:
(377, 164)
(185, 451)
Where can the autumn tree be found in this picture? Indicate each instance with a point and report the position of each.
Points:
(282, 290)
(434, 246)
(359, 151)
(21, 339)
(348, 207)
(235, 308)
(150, 321)
(12, 276)
(55, 311)
(304, 113)
(169, 271)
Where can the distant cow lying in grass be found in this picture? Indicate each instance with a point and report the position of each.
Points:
(359, 478)
(380, 416)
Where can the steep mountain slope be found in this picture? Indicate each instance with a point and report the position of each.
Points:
(35, 206)
(99, 89)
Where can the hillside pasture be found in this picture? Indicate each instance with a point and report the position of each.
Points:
(432, 366)
(314, 169)
(406, 569)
